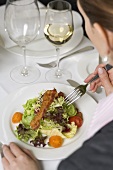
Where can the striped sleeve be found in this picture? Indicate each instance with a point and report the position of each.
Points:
(102, 116)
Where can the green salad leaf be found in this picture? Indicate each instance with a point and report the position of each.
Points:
(56, 117)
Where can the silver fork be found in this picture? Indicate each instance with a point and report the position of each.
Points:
(81, 89)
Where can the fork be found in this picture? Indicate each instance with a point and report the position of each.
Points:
(81, 89)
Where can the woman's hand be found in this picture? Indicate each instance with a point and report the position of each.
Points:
(17, 159)
(105, 80)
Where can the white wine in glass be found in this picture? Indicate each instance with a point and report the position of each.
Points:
(22, 23)
(58, 29)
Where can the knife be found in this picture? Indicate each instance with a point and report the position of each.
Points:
(73, 83)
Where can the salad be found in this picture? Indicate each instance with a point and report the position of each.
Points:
(47, 120)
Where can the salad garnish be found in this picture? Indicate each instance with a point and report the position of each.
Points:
(47, 120)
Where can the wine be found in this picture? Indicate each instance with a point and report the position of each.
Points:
(58, 30)
(58, 34)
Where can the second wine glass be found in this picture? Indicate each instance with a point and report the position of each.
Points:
(22, 22)
(58, 29)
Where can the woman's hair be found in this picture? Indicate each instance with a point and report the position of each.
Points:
(100, 11)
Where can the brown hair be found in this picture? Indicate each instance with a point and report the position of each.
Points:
(100, 11)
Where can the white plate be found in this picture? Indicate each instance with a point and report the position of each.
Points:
(87, 64)
(42, 48)
(14, 101)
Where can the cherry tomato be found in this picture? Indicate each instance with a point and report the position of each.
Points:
(17, 117)
(79, 114)
(55, 141)
(77, 119)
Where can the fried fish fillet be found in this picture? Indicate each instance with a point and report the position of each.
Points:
(48, 98)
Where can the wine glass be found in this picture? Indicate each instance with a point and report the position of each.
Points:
(58, 29)
(22, 23)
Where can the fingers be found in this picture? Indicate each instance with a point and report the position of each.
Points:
(15, 149)
(29, 154)
(105, 80)
(15, 158)
(94, 85)
(5, 163)
(111, 75)
(94, 73)
(89, 78)
(8, 154)
(99, 66)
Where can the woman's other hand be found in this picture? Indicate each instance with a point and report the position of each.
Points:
(105, 80)
(17, 159)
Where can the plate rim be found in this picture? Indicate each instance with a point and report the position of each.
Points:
(44, 152)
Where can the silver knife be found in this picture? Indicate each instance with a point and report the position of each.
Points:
(73, 83)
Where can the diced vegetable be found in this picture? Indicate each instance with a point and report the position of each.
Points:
(77, 120)
(55, 141)
(79, 114)
(70, 110)
(17, 117)
(72, 132)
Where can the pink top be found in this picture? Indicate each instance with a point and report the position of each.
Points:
(102, 116)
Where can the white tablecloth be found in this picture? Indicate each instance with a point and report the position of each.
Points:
(9, 60)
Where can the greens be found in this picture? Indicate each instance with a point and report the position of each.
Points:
(56, 119)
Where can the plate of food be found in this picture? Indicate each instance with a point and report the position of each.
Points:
(40, 47)
(37, 117)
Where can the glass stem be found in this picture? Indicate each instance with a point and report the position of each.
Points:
(58, 72)
(24, 71)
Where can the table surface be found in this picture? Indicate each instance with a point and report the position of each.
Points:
(9, 60)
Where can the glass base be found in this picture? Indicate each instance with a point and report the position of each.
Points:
(58, 76)
(17, 76)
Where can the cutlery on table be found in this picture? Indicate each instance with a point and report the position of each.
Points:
(54, 63)
(81, 89)
(73, 83)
